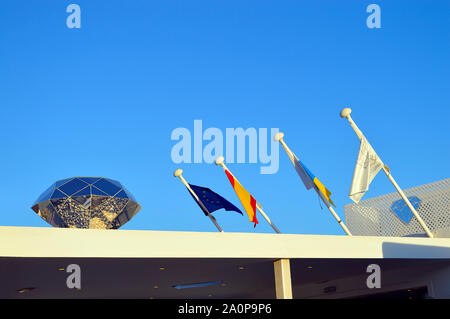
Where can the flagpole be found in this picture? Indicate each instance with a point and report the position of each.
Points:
(178, 173)
(279, 138)
(345, 113)
(220, 161)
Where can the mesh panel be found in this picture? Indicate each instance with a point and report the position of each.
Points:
(379, 216)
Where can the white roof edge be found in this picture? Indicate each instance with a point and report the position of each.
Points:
(46, 242)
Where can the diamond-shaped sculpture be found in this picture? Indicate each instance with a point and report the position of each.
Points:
(86, 202)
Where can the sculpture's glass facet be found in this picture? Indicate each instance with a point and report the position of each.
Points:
(86, 202)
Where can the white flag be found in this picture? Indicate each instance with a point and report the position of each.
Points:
(367, 167)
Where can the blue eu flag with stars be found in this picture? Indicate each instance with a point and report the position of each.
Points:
(211, 200)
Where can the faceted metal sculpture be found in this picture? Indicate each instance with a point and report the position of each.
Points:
(86, 202)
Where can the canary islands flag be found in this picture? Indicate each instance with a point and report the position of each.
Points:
(311, 181)
(246, 199)
(211, 201)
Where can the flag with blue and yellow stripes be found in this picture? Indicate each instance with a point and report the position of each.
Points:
(311, 181)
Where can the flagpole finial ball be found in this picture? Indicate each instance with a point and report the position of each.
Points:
(220, 160)
(278, 136)
(346, 112)
(178, 172)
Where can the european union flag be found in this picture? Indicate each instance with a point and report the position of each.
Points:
(211, 200)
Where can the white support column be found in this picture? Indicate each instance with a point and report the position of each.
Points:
(283, 285)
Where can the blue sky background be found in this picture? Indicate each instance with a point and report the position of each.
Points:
(103, 100)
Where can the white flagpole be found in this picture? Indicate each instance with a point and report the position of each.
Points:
(178, 173)
(345, 113)
(220, 161)
(279, 138)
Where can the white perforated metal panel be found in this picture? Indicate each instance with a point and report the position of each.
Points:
(380, 216)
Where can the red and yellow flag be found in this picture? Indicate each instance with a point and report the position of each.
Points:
(246, 199)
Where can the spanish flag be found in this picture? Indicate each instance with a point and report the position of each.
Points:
(246, 199)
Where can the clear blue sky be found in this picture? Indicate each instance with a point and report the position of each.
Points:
(103, 100)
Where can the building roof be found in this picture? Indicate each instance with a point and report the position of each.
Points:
(144, 264)
(82, 243)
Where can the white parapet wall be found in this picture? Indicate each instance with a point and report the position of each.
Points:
(144, 264)
(95, 243)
